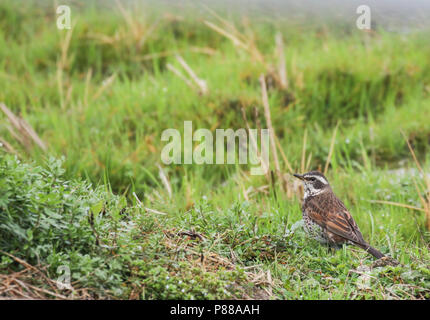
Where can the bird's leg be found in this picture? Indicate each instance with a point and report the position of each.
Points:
(333, 247)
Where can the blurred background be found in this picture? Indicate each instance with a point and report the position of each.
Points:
(102, 92)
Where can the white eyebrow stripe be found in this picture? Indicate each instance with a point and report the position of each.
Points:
(324, 181)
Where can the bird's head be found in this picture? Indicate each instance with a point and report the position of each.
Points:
(314, 183)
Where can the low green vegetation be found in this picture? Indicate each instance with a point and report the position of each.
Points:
(100, 202)
(219, 248)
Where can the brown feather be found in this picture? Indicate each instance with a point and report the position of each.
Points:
(326, 217)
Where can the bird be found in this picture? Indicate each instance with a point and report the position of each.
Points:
(326, 218)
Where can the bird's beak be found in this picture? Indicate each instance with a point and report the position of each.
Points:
(298, 176)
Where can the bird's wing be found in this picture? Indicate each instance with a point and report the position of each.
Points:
(332, 215)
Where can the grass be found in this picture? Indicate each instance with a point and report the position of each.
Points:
(220, 248)
(101, 94)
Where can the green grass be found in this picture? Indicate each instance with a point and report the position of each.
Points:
(373, 86)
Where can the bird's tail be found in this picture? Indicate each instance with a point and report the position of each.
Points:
(374, 252)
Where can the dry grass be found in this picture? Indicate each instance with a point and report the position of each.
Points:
(21, 131)
(194, 82)
(186, 241)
